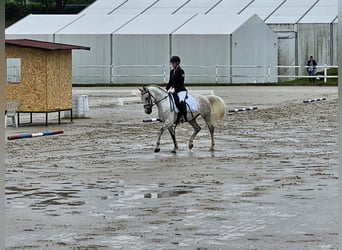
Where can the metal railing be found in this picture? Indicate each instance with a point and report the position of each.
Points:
(256, 73)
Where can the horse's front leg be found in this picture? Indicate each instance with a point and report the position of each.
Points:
(172, 131)
(161, 131)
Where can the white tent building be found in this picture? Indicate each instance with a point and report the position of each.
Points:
(122, 32)
(144, 41)
(202, 44)
(147, 42)
(94, 31)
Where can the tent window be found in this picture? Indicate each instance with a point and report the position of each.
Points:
(13, 70)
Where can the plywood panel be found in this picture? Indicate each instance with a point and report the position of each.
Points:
(46, 79)
(31, 92)
(59, 80)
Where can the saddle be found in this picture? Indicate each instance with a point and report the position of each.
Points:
(191, 103)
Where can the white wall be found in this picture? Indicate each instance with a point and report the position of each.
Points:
(313, 39)
(202, 50)
(99, 56)
(140, 50)
(254, 43)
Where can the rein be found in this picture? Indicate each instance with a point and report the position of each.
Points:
(151, 104)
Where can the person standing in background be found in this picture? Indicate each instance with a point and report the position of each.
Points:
(311, 67)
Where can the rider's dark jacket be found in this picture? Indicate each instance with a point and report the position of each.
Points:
(176, 80)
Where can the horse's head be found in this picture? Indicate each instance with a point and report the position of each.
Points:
(146, 97)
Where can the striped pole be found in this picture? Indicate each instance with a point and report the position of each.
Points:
(242, 109)
(315, 100)
(30, 135)
(152, 120)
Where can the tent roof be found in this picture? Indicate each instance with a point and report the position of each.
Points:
(96, 24)
(231, 6)
(103, 6)
(197, 7)
(166, 6)
(323, 12)
(263, 8)
(134, 7)
(213, 24)
(131, 16)
(154, 24)
(40, 24)
(291, 11)
(43, 45)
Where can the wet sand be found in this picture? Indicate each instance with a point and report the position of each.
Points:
(270, 184)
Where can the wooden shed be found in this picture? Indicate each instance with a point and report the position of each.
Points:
(39, 76)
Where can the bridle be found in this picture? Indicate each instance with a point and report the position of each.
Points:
(151, 102)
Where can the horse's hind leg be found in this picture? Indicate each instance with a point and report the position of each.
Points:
(197, 129)
(173, 136)
(211, 130)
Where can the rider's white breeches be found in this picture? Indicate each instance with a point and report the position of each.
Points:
(181, 96)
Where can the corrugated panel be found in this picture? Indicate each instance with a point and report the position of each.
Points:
(263, 8)
(291, 11)
(324, 12)
(230, 6)
(166, 7)
(40, 24)
(154, 24)
(213, 24)
(197, 6)
(96, 24)
(103, 6)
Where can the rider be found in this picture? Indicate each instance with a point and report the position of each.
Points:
(177, 83)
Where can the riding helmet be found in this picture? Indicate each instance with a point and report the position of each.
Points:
(175, 59)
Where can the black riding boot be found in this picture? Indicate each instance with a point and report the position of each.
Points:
(183, 111)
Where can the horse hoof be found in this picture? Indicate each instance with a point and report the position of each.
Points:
(191, 146)
(174, 151)
(157, 150)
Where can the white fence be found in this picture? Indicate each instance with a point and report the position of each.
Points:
(196, 73)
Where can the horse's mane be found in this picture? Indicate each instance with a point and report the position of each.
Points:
(158, 87)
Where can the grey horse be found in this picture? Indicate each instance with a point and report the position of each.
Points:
(211, 109)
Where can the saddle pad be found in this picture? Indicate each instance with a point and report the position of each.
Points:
(192, 105)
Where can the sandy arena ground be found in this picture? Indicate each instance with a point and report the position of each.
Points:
(270, 184)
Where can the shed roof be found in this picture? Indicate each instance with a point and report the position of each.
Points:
(26, 43)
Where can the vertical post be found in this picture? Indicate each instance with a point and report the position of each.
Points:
(339, 61)
(164, 73)
(2, 128)
(325, 73)
(296, 52)
(269, 73)
(216, 74)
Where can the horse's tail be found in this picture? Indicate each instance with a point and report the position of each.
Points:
(218, 108)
